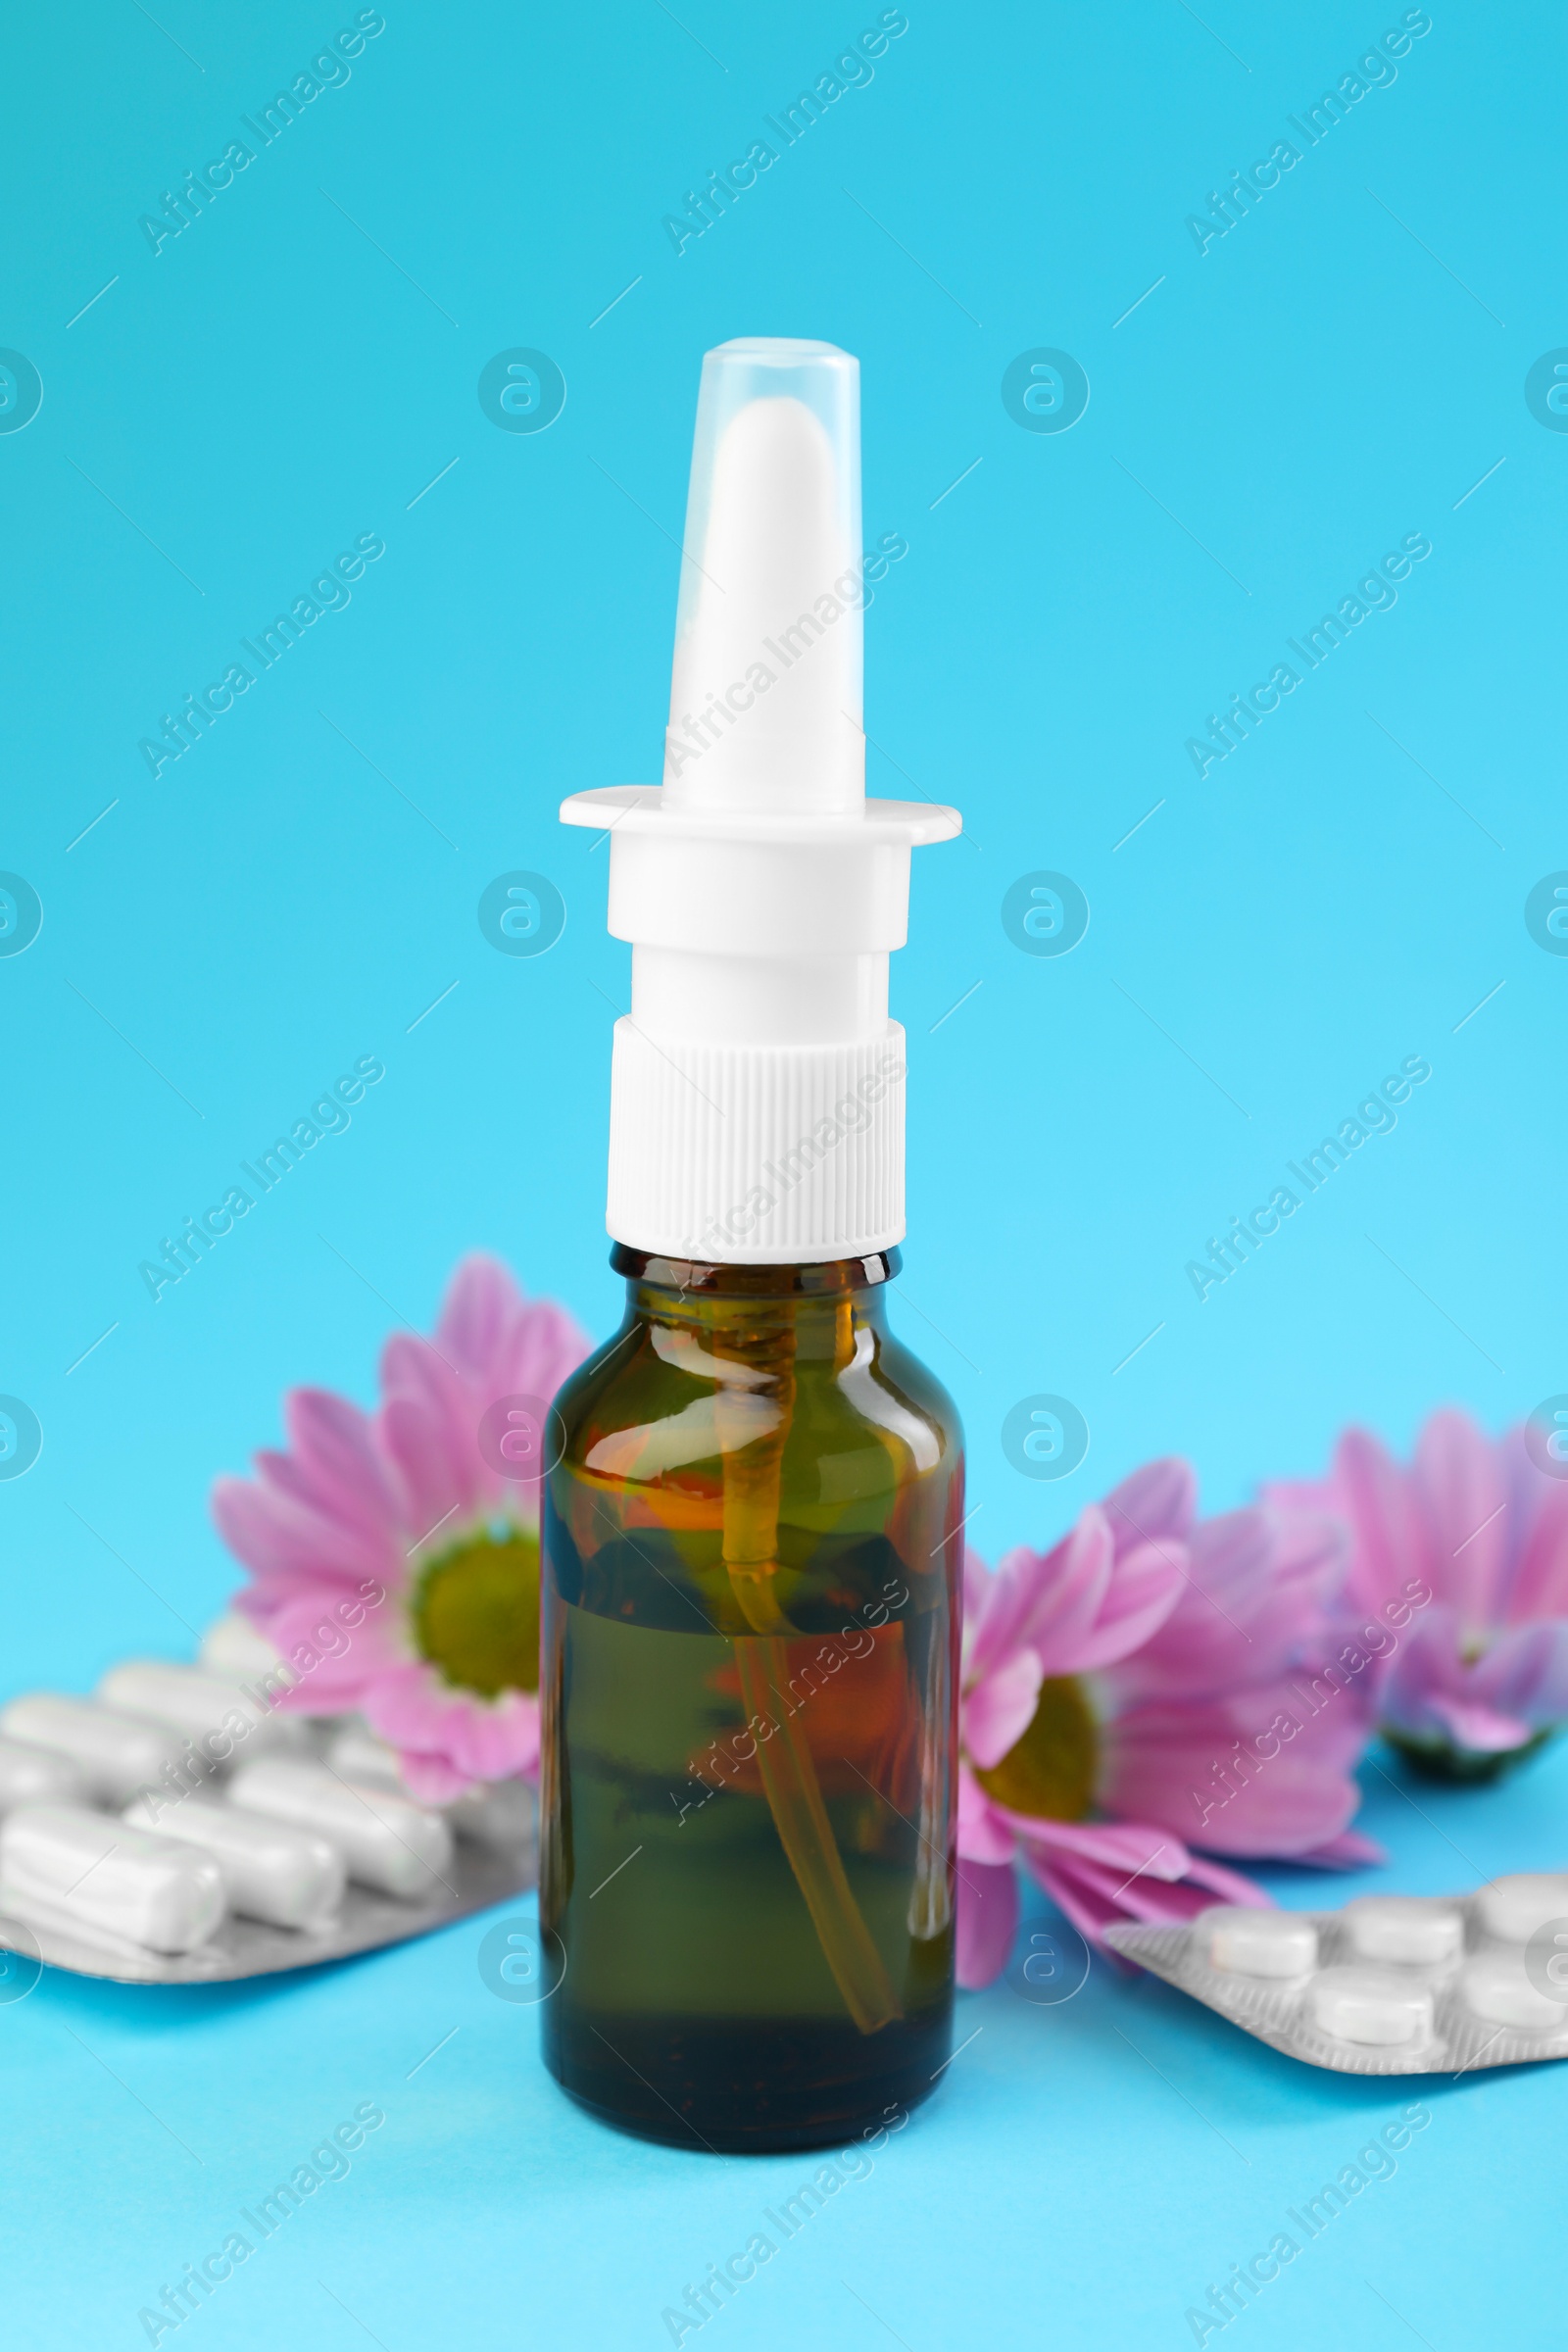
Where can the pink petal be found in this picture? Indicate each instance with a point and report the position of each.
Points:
(999, 1709)
(430, 1779)
(1040, 1598)
(1350, 1850)
(496, 1740)
(1131, 1848)
(1166, 1762)
(415, 1710)
(1478, 1728)
(1458, 1480)
(1539, 1508)
(1083, 1905)
(334, 1444)
(1092, 1899)
(983, 1834)
(282, 1545)
(335, 1684)
(431, 1434)
(1259, 1582)
(1230, 1883)
(1525, 1672)
(502, 1345)
(988, 1921)
(1145, 1585)
(481, 1304)
(1391, 1542)
(1158, 1503)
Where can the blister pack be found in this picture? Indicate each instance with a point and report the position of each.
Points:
(178, 1829)
(1391, 1984)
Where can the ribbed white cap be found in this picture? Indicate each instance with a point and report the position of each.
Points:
(757, 1091)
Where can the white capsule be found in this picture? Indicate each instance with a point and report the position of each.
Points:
(103, 1873)
(290, 1878)
(497, 1813)
(388, 1842)
(1496, 1988)
(223, 1721)
(119, 1754)
(1412, 1930)
(1515, 1907)
(38, 1776)
(232, 1647)
(1370, 2005)
(1257, 1943)
(358, 1754)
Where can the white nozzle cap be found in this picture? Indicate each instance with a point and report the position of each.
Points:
(772, 587)
(757, 1094)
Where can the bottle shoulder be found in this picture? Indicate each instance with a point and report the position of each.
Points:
(687, 1460)
(650, 1380)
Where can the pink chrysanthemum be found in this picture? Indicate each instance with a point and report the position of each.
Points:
(1148, 1682)
(1479, 1678)
(424, 1502)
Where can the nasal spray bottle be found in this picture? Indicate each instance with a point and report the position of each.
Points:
(752, 1535)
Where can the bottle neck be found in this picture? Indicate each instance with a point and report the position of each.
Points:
(818, 1304)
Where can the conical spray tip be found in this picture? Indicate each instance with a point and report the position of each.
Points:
(765, 699)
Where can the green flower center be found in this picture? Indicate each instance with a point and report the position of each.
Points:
(1050, 1770)
(477, 1613)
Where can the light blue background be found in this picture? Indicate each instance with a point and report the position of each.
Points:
(1277, 414)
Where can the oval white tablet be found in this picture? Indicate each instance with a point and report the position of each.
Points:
(387, 1842)
(39, 1776)
(104, 1873)
(1515, 1907)
(1411, 1929)
(225, 1723)
(1371, 2006)
(289, 1877)
(119, 1754)
(1257, 1943)
(1497, 1987)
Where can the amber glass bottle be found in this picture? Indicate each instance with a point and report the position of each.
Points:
(751, 1580)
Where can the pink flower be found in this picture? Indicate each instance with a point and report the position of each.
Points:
(1147, 1683)
(1471, 1541)
(422, 1504)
